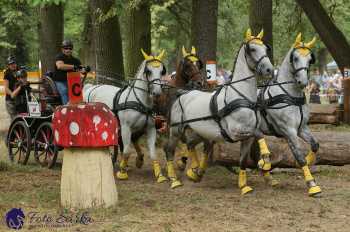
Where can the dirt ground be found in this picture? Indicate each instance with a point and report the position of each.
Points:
(215, 204)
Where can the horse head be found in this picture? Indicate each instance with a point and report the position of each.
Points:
(153, 71)
(256, 54)
(300, 59)
(188, 72)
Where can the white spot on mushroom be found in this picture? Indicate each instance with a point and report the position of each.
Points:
(104, 135)
(106, 124)
(71, 111)
(59, 121)
(110, 121)
(57, 136)
(96, 120)
(112, 136)
(81, 106)
(53, 116)
(104, 109)
(64, 111)
(74, 128)
(70, 143)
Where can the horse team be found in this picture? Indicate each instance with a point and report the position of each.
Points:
(235, 111)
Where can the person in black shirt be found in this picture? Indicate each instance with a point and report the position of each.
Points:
(65, 63)
(9, 84)
(22, 91)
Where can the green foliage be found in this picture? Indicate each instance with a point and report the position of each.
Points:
(43, 2)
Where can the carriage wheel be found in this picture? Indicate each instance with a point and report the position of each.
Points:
(19, 143)
(45, 152)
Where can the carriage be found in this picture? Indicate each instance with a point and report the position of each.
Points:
(32, 131)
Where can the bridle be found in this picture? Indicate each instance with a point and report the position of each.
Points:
(189, 77)
(256, 68)
(291, 61)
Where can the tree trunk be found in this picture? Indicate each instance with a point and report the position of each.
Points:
(322, 60)
(108, 43)
(138, 35)
(87, 52)
(204, 29)
(334, 150)
(50, 30)
(331, 36)
(260, 17)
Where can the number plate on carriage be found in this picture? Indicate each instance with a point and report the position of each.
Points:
(34, 109)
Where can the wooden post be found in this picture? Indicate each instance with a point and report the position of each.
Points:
(346, 87)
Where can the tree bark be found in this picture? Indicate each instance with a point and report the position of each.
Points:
(204, 29)
(334, 150)
(50, 31)
(260, 17)
(331, 36)
(87, 52)
(108, 43)
(138, 35)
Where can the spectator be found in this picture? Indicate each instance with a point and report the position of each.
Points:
(9, 84)
(314, 93)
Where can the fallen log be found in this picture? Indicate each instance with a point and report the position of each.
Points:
(327, 113)
(334, 150)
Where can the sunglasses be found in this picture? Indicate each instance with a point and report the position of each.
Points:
(68, 48)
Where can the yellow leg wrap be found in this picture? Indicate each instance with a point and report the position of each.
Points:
(182, 153)
(242, 182)
(172, 175)
(314, 190)
(264, 163)
(269, 179)
(264, 150)
(192, 172)
(158, 172)
(204, 162)
(122, 174)
(310, 158)
(307, 174)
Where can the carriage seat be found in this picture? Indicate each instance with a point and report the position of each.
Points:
(49, 93)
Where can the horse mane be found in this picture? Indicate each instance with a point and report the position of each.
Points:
(141, 70)
(235, 60)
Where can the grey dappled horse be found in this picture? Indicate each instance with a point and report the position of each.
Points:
(286, 114)
(134, 108)
(228, 114)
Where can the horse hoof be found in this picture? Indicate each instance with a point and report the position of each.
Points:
(315, 191)
(265, 166)
(193, 176)
(175, 184)
(122, 175)
(274, 183)
(245, 190)
(139, 162)
(180, 165)
(161, 179)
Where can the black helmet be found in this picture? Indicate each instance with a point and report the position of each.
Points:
(11, 60)
(67, 43)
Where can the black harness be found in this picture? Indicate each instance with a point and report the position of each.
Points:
(216, 114)
(285, 98)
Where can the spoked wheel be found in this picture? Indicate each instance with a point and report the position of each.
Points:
(45, 152)
(19, 143)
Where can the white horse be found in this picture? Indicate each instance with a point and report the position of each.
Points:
(286, 114)
(228, 114)
(134, 108)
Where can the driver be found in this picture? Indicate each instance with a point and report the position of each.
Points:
(65, 62)
(22, 91)
(9, 84)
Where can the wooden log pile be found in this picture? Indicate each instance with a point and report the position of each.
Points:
(334, 150)
(325, 113)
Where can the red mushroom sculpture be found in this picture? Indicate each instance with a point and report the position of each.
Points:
(86, 130)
